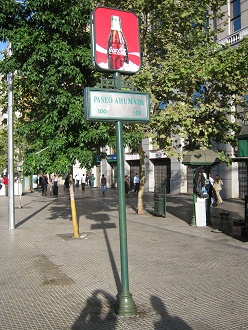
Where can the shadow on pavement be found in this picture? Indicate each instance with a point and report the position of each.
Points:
(95, 313)
(166, 321)
(100, 312)
(32, 215)
(104, 226)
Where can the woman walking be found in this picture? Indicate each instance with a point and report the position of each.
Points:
(55, 186)
(218, 184)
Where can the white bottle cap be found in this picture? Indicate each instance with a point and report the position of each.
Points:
(115, 23)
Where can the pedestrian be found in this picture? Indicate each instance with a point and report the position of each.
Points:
(211, 191)
(44, 183)
(92, 180)
(218, 184)
(103, 184)
(136, 182)
(83, 182)
(5, 180)
(39, 180)
(77, 180)
(66, 183)
(55, 186)
(51, 187)
(126, 184)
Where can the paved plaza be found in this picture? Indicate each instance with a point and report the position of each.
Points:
(180, 276)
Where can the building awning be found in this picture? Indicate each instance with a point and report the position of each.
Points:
(239, 159)
(200, 157)
(243, 133)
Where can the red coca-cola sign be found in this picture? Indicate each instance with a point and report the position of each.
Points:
(115, 41)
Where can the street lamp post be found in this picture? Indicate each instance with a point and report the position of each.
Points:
(11, 208)
(125, 303)
(193, 221)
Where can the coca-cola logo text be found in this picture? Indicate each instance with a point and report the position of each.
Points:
(118, 51)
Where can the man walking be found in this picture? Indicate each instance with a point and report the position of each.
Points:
(44, 183)
(83, 182)
(103, 184)
(92, 180)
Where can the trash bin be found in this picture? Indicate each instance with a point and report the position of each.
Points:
(160, 201)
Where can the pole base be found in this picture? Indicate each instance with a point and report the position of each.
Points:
(125, 305)
(193, 222)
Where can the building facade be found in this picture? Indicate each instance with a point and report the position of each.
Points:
(236, 14)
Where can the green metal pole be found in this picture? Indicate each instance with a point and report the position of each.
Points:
(193, 221)
(125, 303)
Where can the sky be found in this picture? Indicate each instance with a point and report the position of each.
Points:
(2, 47)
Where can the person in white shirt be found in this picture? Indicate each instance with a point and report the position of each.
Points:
(77, 180)
(211, 190)
(136, 182)
(83, 182)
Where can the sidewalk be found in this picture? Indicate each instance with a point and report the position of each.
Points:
(180, 277)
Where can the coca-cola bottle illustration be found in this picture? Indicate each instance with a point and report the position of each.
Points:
(117, 46)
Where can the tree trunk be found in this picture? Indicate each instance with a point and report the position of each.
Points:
(73, 207)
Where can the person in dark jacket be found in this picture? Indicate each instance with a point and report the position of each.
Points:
(126, 184)
(103, 184)
(44, 183)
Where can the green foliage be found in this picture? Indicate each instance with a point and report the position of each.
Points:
(3, 149)
(51, 51)
(183, 67)
(200, 91)
(19, 145)
(199, 81)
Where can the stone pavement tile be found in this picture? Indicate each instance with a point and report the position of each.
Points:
(180, 276)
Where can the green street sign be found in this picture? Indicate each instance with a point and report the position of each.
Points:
(115, 105)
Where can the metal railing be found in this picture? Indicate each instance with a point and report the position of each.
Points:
(234, 38)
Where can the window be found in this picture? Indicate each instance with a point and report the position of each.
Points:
(235, 15)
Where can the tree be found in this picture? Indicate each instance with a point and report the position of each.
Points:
(186, 71)
(18, 140)
(184, 68)
(51, 49)
(52, 55)
(3, 131)
(51, 52)
(18, 146)
(3, 149)
(196, 78)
